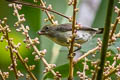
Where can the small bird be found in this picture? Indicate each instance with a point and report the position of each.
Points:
(62, 32)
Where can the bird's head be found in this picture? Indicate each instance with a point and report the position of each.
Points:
(47, 30)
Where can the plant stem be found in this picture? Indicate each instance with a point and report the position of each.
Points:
(38, 6)
(105, 39)
(5, 32)
(86, 54)
(26, 66)
(11, 55)
(110, 73)
(47, 13)
(33, 45)
(115, 25)
(2, 76)
(71, 66)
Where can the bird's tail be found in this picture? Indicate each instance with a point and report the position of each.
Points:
(100, 31)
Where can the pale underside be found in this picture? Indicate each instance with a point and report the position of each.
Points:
(82, 37)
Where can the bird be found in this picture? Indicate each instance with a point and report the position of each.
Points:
(62, 32)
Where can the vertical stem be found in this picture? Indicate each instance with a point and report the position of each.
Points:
(105, 39)
(11, 55)
(71, 68)
(84, 68)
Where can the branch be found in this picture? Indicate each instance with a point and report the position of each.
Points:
(38, 6)
(84, 68)
(47, 13)
(25, 65)
(12, 46)
(31, 43)
(5, 32)
(105, 39)
(115, 24)
(2, 76)
(11, 55)
(71, 54)
(110, 73)
(86, 54)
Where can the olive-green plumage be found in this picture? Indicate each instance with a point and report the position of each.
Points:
(61, 33)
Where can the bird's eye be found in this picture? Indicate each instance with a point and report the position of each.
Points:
(46, 28)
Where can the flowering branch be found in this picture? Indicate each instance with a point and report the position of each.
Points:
(50, 17)
(23, 61)
(31, 42)
(71, 54)
(86, 54)
(2, 75)
(113, 68)
(116, 21)
(14, 48)
(38, 6)
(5, 33)
(84, 68)
(105, 39)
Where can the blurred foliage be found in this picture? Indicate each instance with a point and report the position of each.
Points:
(32, 16)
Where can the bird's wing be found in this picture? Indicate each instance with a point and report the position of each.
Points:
(64, 27)
(68, 27)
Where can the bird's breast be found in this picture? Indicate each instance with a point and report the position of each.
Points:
(81, 36)
(61, 38)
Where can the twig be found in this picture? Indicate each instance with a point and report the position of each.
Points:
(86, 54)
(112, 70)
(2, 76)
(38, 6)
(33, 45)
(26, 66)
(95, 72)
(47, 13)
(115, 25)
(105, 39)
(84, 68)
(11, 55)
(11, 52)
(110, 73)
(18, 55)
(71, 55)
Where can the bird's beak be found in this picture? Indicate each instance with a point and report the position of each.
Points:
(41, 32)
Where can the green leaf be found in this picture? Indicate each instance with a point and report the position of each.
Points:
(114, 46)
(90, 44)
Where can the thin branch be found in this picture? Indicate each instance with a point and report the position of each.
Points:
(71, 55)
(95, 72)
(84, 68)
(115, 25)
(111, 70)
(26, 66)
(11, 55)
(33, 45)
(110, 73)
(105, 39)
(18, 55)
(11, 52)
(2, 76)
(47, 13)
(86, 54)
(38, 6)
